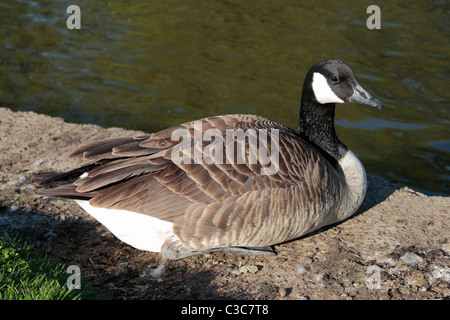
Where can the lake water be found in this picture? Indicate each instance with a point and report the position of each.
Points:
(153, 64)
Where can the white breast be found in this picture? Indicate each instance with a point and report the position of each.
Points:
(355, 177)
(138, 230)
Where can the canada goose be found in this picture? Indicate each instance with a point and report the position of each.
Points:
(180, 208)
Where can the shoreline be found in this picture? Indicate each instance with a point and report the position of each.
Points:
(400, 232)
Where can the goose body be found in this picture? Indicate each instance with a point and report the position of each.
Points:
(154, 192)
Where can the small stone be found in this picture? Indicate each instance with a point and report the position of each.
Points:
(301, 269)
(446, 248)
(251, 269)
(282, 292)
(22, 179)
(309, 260)
(38, 162)
(417, 280)
(442, 274)
(412, 258)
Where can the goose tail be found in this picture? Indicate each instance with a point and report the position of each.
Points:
(55, 184)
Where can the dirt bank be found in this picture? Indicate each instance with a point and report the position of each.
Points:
(396, 247)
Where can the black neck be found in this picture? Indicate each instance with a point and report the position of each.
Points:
(316, 125)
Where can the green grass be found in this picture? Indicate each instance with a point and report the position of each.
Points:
(28, 275)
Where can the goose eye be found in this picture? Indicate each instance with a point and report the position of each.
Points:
(334, 79)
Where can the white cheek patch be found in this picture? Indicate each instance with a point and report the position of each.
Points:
(322, 90)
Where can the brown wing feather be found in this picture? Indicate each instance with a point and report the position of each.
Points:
(217, 204)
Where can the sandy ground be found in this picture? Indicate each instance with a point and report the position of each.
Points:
(396, 247)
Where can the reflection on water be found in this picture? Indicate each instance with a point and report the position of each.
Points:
(441, 145)
(374, 124)
(149, 65)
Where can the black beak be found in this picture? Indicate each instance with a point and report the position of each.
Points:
(361, 96)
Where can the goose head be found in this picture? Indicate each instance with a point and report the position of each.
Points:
(334, 81)
(327, 83)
